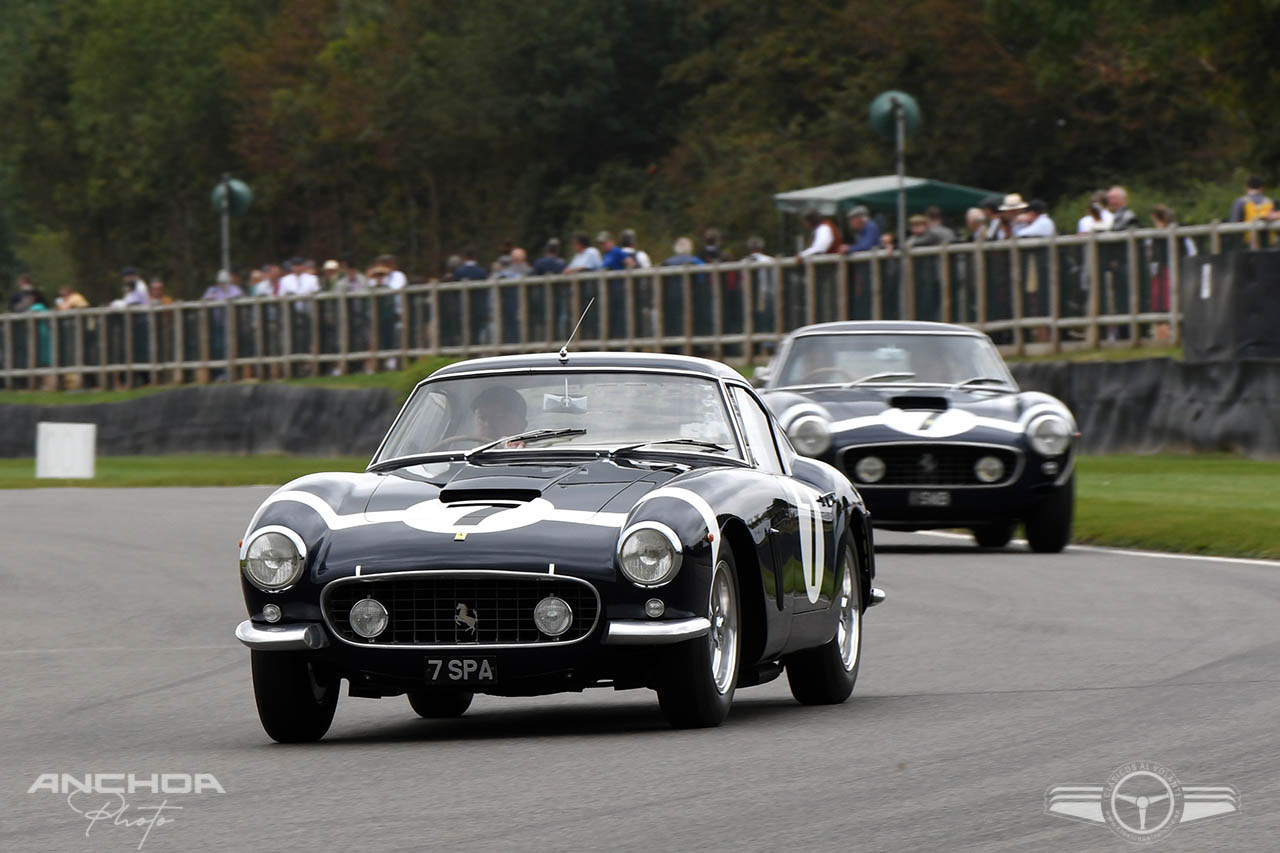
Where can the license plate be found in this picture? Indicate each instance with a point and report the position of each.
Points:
(928, 499)
(461, 670)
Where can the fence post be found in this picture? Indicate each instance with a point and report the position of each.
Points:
(522, 306)
(55, 355)
(1055, 288)
(810, 293)
(1174, 278)
(980, 281)
(686, 279)
(1131, 252)
(232, 331)
(104, 375)
(602, 287)
(944, 283)
(907, 281)
(153, 349)
(780, 312)
(877, 286)
(1095, 290)
(313, 315)
(78, 348)
(749, 279)
(128, 346)
(180, 346)
(344, 332)
(629, 309)
(1215, 238)
(842, 289)
(1015, 294)
(717, 309)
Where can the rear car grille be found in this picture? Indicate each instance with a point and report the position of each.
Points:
(947, 465)
(460, 609)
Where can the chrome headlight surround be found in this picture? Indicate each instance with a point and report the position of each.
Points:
(810, 434)
(278, 545)
(651, 536)
(1050, 435)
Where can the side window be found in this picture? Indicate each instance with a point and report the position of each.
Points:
(759, 435)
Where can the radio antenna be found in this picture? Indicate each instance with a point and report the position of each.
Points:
(564, 350)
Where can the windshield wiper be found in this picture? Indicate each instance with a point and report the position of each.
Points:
(417, 459)
(687, 442)
(875, 376)
(526, 437)
(981, 379)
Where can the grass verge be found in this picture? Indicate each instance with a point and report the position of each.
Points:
(1203, 504)
(1221, 505)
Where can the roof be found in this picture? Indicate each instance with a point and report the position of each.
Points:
(880, 193)
(886, 326)
(578, 360)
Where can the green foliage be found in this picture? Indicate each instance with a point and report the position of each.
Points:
(419, 126)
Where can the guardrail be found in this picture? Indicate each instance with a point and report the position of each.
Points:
(1031, 295)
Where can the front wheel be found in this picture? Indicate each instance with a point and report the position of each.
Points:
(993, 535)
(440, 704)
(826, 675)
(703, 673)
(295, 704)
(1049, 525)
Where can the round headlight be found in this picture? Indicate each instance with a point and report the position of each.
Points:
(810, 434)
(988, 469)
(272, 562)
(650, 555)
(553, 616)
(368, 618)
(1050, 435)
(870, 469)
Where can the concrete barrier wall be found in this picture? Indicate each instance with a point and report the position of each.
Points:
(219, 419)
(1139, 406)
(1151, 405)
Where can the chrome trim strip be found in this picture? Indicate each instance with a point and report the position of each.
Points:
(639, 632)
(447, 573)
(1017, 471)
(877, 597)
(283, 638)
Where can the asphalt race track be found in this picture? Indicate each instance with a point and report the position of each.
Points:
(986, 679)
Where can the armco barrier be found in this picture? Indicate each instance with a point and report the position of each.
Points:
(1140, 406)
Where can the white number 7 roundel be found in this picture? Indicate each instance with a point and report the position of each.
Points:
(813, 537)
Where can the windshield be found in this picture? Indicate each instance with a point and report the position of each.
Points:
(897, 358)
(614, 409)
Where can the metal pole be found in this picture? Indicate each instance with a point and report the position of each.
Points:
(900, 122)
(226, 222)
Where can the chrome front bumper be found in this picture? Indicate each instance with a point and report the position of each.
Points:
(650, 632)
(282, 638)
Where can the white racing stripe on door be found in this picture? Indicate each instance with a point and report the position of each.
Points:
(813, 552)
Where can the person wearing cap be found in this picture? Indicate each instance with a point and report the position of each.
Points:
(1010, 212)
(223, 288)
(919, 233)
(135, 288)
(865, 231)
(499, 411)
(1037, 223)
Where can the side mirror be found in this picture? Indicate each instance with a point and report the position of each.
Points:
(760, 377)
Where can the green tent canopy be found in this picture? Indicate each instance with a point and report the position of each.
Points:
(880, 193)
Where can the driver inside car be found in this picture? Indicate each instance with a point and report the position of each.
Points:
(500, 411)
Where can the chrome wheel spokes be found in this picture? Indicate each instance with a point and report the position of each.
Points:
(723, 636)
(849, 630)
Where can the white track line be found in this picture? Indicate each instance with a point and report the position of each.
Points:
(1125, 552)
(115, 650)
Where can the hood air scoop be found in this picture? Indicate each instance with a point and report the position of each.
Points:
(918, 403)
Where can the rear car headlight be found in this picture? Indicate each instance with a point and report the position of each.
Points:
(810, 434)
(988, 469)
(870, 469)
(649, 554)
(1050, 435)
(273, 560)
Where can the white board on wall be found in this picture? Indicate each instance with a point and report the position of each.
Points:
(66, 451)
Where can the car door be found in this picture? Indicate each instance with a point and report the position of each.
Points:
(803, 517)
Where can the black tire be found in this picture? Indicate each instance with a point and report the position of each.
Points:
(689, 695)
(1049, 525)
(440, 704)
(993, 535)
(295, 705)
(821, 676)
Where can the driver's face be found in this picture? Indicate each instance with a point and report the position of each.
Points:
(497, 421)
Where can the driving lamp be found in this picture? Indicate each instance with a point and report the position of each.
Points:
(988, 469)
(553, 616)
(1050, 435)
(368, 618)
(650, 555)
(810, 434)
(870, 469)
(272, 562)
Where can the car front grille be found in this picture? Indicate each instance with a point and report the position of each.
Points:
(461, 608)
(931, 465)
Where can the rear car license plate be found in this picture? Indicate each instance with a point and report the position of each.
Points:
(461, 670)
(920, 498)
